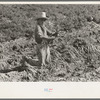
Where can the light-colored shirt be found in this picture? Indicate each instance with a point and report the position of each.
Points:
(41, 31)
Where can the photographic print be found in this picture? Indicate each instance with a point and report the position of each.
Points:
(49, 42)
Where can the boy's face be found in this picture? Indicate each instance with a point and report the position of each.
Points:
(41, 21)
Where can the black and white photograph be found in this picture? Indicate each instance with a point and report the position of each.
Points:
(49, 42)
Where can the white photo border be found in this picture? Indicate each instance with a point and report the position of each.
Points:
(21, 90)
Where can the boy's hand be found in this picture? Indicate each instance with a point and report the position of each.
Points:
(43, 37)
(55, 34)
(51, 38)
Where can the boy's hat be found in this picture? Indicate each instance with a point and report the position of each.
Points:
(42, 15)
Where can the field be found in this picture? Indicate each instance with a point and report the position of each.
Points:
(75, 52)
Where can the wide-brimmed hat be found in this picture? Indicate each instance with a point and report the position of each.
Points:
(42, 15)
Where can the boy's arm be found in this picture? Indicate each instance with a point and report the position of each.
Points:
(51, 33)
(39, 32)
(42, 36)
